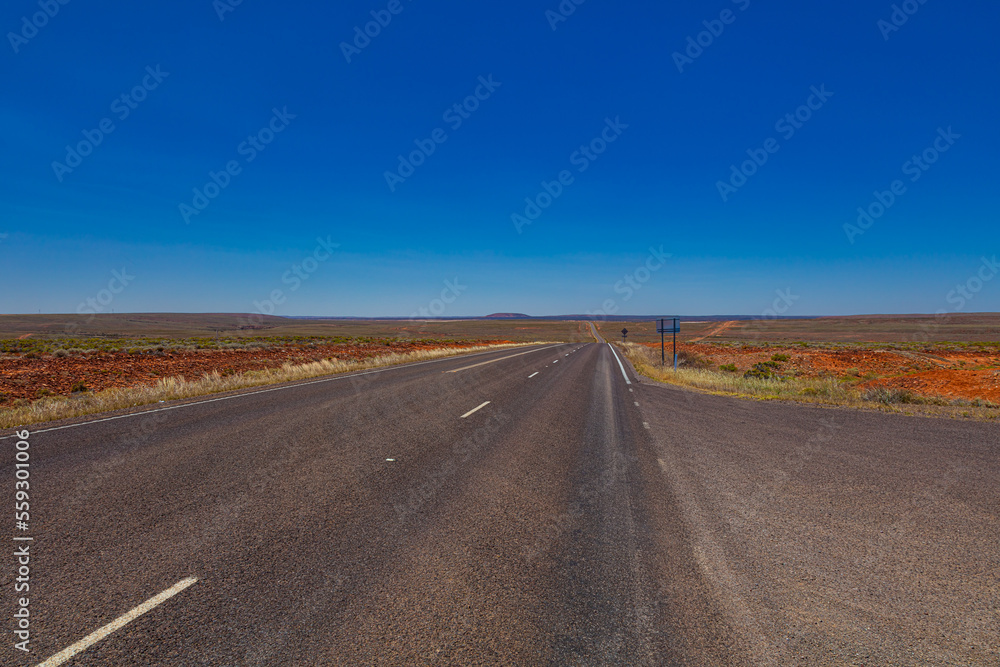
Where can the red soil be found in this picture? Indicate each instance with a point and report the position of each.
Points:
(970, 374)
(24, 378)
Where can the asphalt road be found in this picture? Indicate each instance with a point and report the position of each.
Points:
(578, 516)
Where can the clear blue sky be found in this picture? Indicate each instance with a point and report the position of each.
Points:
(887, 94)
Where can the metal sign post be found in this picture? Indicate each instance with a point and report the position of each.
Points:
(624, 334)
(663, 328)
(676, 327)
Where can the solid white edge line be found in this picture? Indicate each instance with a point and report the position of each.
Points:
(533, 374)
(620, 365)
(252, 393)
(474, 409)
(121, 621)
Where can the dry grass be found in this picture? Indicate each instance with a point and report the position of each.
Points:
(61, 407)
(822, 391)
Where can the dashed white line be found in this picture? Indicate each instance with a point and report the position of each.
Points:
(493, 361)
(636, 403)
(345, 376)
(474, 409)
(120, 622)
(533, 374)
(645, 424)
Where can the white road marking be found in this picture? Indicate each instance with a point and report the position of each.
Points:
(645, 424)
(627, 381)
(390, 459)
(344, 376)
(117, 624)
(636, 403)
(493, 361)
(474, 409)
(533, 374)
(630, 388)
(556, 361)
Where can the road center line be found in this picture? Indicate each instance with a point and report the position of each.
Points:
(121, 621)
(333, 378)
(493, 361)
(474, 409)
(533, 374)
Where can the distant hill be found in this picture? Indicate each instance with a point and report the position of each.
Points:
(507, 316)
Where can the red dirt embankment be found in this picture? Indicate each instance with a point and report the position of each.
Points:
(29, 378)
(970, 374)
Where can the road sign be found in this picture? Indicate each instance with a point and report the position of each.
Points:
(662, 325)
(674, 327)
(624, 333)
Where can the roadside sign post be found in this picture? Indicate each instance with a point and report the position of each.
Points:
(663, 328)
(624, 334)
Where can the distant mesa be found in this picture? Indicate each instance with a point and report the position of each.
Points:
(508, 316)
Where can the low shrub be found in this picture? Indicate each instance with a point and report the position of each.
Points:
(765, 370)
(780, 357)
(731, 368)
(888, 396)
(693, 360)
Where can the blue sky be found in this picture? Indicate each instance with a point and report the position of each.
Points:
(202, 90)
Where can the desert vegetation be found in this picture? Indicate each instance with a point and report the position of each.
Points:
(776, 378)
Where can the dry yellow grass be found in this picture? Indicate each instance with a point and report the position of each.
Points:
(827, 391)
(61, 407)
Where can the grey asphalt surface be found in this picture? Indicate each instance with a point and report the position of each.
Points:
(559, 524)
